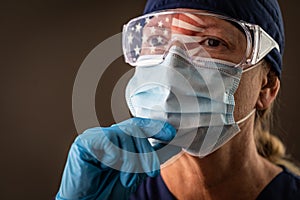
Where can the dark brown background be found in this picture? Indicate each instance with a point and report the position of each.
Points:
(43, 44)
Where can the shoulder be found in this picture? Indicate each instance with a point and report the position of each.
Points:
(285, 185)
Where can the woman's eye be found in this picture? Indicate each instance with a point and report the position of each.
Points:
(212, 42)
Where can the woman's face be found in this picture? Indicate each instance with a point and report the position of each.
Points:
(218, 38)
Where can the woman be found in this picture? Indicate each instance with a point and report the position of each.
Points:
(205, 67)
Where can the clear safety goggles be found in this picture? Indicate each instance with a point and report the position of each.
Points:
(147, 39)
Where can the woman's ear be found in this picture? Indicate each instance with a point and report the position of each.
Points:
(269, 90)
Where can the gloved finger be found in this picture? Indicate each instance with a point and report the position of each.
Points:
(102, 144)
(150, 128)
(120, 151)
(140, 158)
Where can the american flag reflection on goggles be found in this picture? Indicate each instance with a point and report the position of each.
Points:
(147, 39)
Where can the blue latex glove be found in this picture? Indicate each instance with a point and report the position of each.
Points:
(108, 163)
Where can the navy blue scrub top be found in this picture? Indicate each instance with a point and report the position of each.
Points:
(285, 186)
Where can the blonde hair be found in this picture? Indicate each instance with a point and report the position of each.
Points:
(268, 145)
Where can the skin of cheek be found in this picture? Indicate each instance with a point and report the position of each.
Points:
(247, 93)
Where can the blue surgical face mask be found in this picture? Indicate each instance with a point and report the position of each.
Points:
(196, 98)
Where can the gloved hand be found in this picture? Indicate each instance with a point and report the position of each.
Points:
(110, 163)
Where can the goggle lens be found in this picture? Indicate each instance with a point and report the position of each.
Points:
(201, 35)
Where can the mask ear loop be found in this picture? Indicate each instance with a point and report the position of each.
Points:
(245, 118)
(251, 67)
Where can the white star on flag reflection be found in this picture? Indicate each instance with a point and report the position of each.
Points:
(154, 32)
